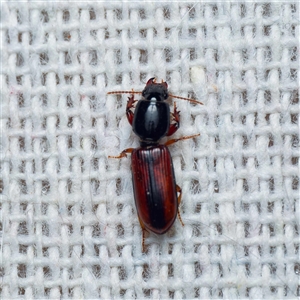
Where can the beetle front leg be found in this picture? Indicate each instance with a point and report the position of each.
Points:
(130, 105)
(176, 118)
(123, 153)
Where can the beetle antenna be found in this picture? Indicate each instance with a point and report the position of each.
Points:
(123, 92)
(187, 99)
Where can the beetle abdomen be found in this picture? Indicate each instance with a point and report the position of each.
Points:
(154, 188)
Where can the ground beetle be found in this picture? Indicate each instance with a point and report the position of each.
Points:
(156, 193)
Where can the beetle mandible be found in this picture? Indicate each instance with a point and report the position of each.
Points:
(157, 196)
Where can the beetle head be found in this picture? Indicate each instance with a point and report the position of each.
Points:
(155, 91)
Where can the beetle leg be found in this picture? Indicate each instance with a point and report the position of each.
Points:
(176, 118)
(170, 142)
(130, 105)
(123, 153)
(143, 234)
(178, 190)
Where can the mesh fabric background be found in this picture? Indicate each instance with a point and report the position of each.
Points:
(70, 227)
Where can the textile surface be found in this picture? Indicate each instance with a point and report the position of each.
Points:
(69, 224)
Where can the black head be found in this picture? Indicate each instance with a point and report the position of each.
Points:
(157, 91)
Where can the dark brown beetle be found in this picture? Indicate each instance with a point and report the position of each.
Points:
(156, 193)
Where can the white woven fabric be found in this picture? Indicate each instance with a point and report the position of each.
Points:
(70, 227)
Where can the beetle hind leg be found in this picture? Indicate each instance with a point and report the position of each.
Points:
(143, 235)
(178, 190)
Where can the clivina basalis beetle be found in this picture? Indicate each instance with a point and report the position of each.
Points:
(157, 196)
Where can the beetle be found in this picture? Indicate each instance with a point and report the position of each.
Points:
(157, 196)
